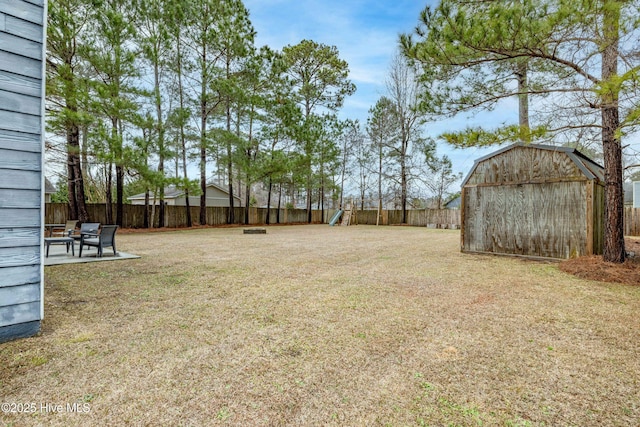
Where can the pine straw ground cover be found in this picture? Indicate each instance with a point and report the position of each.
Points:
(594, 268)
(319, 325)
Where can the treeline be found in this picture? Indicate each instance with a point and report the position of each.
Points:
(142, 92)
(139, 90)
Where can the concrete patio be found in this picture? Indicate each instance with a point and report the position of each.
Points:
(58, 255)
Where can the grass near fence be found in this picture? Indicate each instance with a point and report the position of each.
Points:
(319, 325)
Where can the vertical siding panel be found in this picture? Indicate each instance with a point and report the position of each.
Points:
(22, 49)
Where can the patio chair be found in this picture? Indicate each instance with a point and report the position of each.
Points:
(106, 238)
(86, 228)
(63, 231)
(69, 228)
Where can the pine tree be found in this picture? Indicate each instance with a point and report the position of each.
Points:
(570, 38)
(67, 92)
(113, 61)
(321, 80)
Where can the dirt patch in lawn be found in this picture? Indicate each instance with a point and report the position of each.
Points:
(318, 325)
(594, 268)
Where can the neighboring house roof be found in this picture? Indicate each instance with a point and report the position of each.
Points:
(588, 167)
(48, 187)
(453, 203)
(171, 192)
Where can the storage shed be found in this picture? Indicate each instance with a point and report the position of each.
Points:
(22, 36)
(533, 201)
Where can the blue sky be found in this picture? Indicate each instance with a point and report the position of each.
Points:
(366, 35)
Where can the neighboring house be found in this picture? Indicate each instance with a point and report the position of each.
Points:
(636, 194)
(217, 196)
(49, 189)
(453, 203)
(22, 41)
(627, 191)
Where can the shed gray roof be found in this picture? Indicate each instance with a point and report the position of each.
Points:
(589, 168)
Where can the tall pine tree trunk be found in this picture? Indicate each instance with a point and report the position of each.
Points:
(203, 150)
(231, 217)
(75, 190)
(146, 223)
(119, 195)
(72, 137)
(108, 195)
(203, 170)
(183, 139)
(613, 250)
(378, 217)
(268, 219)
(309, 196)
(523, 100)
(279, 203)
(160, 132)
(119, 175)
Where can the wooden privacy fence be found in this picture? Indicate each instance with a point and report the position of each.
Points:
(631, 221)
(56, 213)
(442, 218)
(175, 216)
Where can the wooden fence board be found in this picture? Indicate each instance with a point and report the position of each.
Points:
(57, 213)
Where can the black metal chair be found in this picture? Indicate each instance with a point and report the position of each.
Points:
(106, 238)
(86, 228)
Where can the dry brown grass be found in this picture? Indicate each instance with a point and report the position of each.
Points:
(318, 325)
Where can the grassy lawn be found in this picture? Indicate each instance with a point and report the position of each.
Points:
(319, 325)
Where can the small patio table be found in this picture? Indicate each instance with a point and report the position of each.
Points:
(58, 241)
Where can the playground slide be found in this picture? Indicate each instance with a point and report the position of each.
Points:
(336, 216)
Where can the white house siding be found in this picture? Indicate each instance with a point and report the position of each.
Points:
(22, 36)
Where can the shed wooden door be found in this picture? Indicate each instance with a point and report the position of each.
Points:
(541, 219)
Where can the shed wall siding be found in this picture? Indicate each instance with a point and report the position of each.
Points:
(21, 89)
(539, 220)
